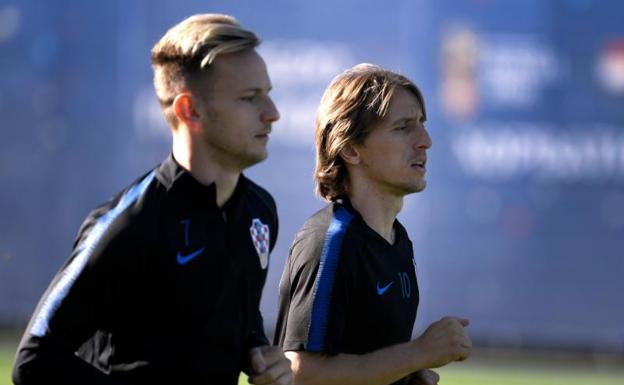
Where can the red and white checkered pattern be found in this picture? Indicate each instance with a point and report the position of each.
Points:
(260, 237)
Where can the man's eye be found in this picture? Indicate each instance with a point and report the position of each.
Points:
(252, 98)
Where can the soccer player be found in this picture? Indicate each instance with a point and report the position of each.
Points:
(164, 281)
(348, 294)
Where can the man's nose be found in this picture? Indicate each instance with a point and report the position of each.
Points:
(424, 140)
(270, 113)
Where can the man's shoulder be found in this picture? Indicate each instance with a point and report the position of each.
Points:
(126, 206)
(332, 220)
(134, 197)
(317, 224)
(327, 228)
(259, 194)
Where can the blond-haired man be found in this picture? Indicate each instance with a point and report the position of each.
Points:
(348, 294)
(164, 282)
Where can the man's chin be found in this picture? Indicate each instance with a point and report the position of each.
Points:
(421, 186)
(253, 159)
(415, 188)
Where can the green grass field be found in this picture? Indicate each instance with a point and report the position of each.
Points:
(6, 362)
(508, 374)
(478, 371)
(487, 371)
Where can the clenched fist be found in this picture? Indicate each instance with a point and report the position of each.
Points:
(444, 341)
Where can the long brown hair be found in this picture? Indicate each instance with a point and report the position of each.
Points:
(352, 105)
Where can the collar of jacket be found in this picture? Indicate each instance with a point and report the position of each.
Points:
(181, 184)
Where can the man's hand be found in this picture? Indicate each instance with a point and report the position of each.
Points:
(269, 366)
(443, 341)
(424, 377)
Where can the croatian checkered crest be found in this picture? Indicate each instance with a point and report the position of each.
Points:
(260, 238)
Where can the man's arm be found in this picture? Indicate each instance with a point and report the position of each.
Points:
(443, 342)
(269, 366)
(78, 301)
(46, 353)
(81, 299)
(46, 362)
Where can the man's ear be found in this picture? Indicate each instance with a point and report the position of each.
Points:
(185, 110)
(350, 154)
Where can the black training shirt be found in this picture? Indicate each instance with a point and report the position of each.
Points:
(345, 289)
(162, 287)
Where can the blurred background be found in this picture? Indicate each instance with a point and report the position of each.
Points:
(521, 227)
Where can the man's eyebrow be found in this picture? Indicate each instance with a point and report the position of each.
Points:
(257, 89)
(419, 119)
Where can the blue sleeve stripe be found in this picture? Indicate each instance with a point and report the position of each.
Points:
(85, 249)
(324, 284)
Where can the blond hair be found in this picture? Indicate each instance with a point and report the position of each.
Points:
(352, 105)
(182, 57)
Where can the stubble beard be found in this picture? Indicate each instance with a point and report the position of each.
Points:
(411, 188)
(229, 154)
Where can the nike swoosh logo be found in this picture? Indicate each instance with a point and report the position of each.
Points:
(381, 290)
(184, 259)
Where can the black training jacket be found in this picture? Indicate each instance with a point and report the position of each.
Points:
(162, 287)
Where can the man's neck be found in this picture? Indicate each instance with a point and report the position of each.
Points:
(206, 170)
(378, 209)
